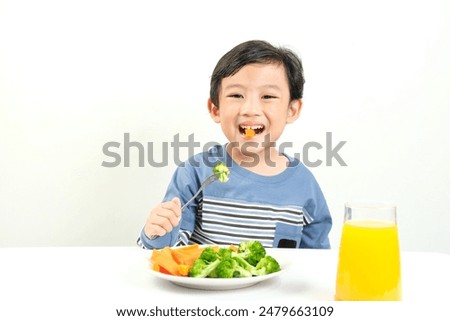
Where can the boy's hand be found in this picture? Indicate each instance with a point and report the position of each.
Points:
(163, 218)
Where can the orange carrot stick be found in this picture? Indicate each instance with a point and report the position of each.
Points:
(165, 260)
(176, 261)
(186, 255)
(183, 269)
(249, 133)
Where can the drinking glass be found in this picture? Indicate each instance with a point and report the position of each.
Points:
(369, 253)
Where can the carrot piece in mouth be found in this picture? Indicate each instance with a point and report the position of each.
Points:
(249, 133)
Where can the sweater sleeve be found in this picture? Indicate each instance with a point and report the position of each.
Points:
(184, 184)
(315, 234)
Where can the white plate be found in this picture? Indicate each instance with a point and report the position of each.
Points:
(226, 284)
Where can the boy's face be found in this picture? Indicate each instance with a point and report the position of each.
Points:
(256, 97)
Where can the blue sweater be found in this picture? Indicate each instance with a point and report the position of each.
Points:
(284, 210)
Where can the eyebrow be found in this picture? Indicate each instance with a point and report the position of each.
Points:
(238, 86)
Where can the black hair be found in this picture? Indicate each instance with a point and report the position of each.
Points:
(258, 51)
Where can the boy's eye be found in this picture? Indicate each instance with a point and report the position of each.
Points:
(268, 97)
(235, 96)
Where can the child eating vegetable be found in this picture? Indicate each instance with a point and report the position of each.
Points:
(256, 89)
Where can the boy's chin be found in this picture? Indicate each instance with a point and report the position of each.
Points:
(250, 149)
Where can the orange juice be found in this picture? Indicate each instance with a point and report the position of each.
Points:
(369, 261)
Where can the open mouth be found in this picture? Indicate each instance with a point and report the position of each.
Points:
(256, 129)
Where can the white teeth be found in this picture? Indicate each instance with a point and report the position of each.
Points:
(253, 127)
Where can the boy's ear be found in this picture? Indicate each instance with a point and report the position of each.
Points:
(295, 107)
(214, 111)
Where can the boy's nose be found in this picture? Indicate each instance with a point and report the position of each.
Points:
(250, 107)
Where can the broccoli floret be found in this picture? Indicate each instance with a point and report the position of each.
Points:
(267, 265)
(201, 268)
(213, 273)
(229, 268)
(205, 265)
(244, 264)
(249, 260)
(222, 172)
(252, 251)
(219, 254)
(209, 254)
(224, 253)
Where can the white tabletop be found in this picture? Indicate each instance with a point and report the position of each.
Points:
(67, 283)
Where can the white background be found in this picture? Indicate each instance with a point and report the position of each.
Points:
(75, 75)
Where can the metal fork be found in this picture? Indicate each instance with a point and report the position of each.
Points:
(205, 183)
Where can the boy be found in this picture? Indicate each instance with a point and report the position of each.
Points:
(256, 89)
